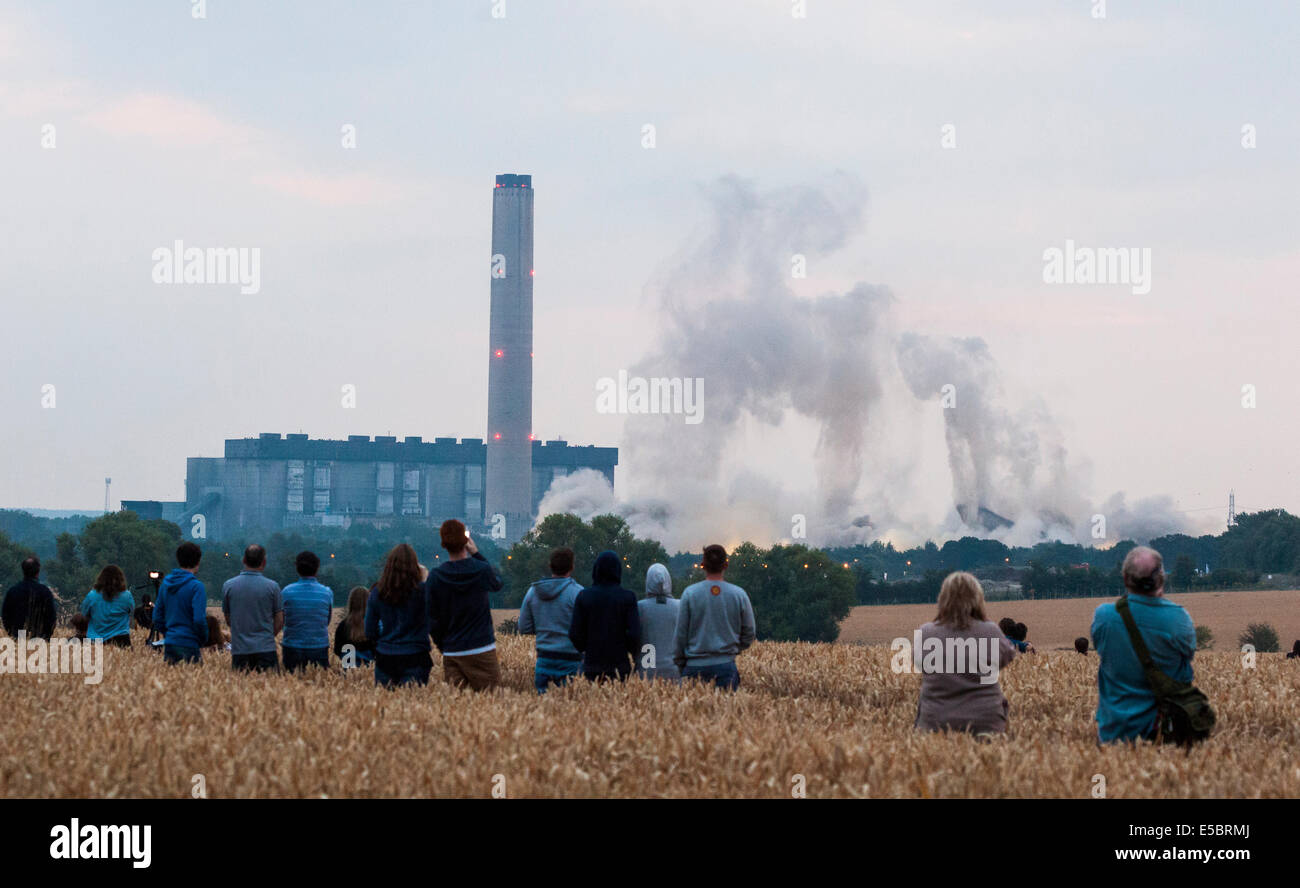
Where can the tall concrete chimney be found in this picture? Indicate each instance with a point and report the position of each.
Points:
(508, 490)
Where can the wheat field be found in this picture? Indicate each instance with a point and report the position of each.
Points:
(825, 720)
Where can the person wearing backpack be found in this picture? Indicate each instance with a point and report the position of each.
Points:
(1127, 708)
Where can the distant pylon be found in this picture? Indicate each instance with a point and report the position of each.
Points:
(1232, 508)
(107, 483)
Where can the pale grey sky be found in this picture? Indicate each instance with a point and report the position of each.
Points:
(225, 131)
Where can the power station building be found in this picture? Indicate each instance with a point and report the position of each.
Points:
(275, 482)
(272, 482)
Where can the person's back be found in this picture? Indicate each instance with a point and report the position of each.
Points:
(144, 614)
(29, 604)
(658, 615)
(606, 626)
(397, 621)
(397, 629)
(351, 645)
(547, 612)
(308, 605)
(254, 610)
(108, 618)
(961, 696)
(960, 658)
(460, 611)
(1126, 705)
(714, 624)
(181, 612)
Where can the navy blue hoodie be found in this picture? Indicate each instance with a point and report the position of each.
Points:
(182, 610)
(606, 626)
(460, 614)
(397, 631)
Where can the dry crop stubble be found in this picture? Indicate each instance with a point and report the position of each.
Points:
(833, 718)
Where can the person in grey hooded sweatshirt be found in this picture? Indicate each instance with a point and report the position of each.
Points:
(547, 612)
(658, 612)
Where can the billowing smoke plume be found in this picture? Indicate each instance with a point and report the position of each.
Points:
(834, 361)
(1008, 466)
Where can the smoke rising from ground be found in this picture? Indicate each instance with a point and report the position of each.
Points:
(769, 356)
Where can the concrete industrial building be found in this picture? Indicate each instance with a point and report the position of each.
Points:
(273, 482)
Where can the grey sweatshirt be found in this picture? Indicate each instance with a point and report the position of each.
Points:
(716, 622)
(959, 696)
(658, 612)
(547, 612)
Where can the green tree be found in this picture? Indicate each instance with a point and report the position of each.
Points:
(1262, 636)
(11, 557)
(137, 546)
(529, 559)
(799, 594)
(1204, 638)
(1184, 573)
(66, 575)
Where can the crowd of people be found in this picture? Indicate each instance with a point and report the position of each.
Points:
(600, 630)
(964, 699)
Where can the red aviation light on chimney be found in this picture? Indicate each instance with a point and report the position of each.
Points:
(497, 436)
(532, 271)
(499, 353)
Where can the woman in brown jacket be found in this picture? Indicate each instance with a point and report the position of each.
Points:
(960, 655)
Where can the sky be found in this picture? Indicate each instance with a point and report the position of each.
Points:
(970, 137)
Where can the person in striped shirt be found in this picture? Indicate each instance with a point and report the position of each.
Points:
(307, 608)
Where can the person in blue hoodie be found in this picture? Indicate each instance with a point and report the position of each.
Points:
(460, 612)
(547, 612)
(397, 621)
(606, 627)
(182, 609)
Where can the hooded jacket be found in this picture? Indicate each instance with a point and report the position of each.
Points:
(606, 627)
(182, 610)
(460, 614)
(547, 612)
(658, 614)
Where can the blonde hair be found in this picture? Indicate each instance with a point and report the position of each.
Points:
(961, 601)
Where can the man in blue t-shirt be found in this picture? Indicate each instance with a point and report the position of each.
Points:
(307, 609)
(1126, 705)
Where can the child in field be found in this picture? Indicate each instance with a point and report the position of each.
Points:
(351, 630)
(216, 635)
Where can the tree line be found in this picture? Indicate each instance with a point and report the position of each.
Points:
(802, 592)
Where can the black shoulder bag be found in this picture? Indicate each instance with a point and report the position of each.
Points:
(1185, 715)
